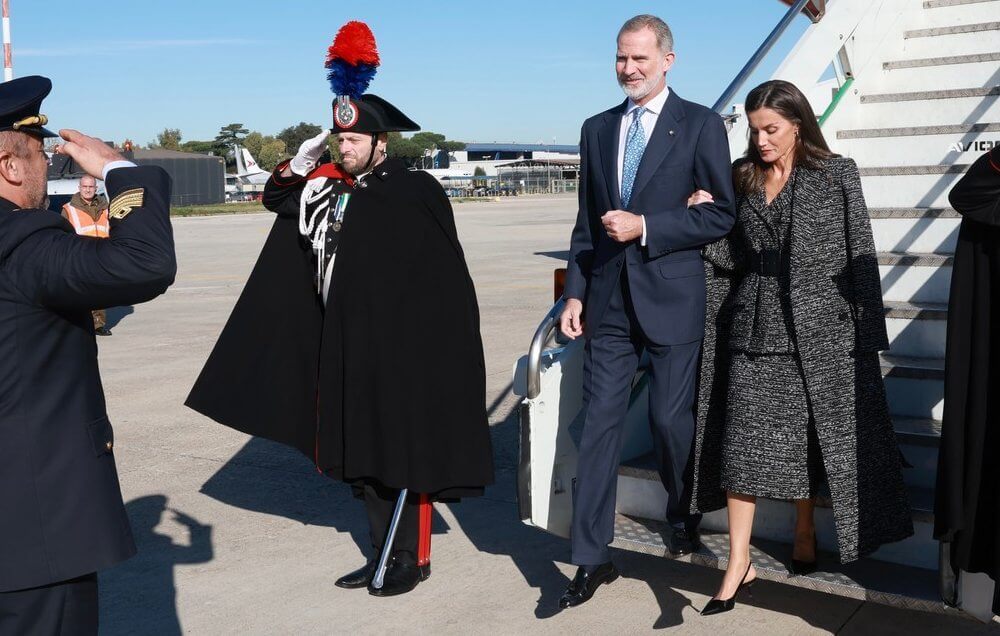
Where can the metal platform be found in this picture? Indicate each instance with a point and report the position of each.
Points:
(866, 580)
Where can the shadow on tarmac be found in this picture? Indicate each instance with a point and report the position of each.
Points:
(116, 314)
(561, 255)
(144, 585)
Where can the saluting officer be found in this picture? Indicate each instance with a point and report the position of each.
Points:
(61, 512)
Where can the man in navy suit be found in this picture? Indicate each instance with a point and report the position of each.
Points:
(61, 513)
(636, 283)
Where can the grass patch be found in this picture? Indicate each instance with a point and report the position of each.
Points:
(244, 207)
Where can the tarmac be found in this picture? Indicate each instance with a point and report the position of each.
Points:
(242, 536)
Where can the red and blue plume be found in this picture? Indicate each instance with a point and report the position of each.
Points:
(352, 60)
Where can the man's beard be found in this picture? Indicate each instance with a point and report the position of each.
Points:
(640, 91)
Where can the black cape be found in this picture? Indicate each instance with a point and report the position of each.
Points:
(386, 383)
(967, 497)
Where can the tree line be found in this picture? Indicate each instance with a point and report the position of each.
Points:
(270, 150)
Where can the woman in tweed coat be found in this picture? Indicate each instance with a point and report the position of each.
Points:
(791, 385)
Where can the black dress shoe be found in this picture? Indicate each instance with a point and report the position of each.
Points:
(102, 331)
(718, 605)
(583, 585)
(358, 578)
(681, 542)
(400, 578)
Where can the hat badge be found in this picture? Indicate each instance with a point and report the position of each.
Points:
(346, 112)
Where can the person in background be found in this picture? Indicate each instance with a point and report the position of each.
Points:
(87, 212)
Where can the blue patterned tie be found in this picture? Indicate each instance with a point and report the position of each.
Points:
(635, 144)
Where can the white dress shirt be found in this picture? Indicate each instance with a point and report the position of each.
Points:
(653, 109)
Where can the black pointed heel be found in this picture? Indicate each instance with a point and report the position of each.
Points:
(802, 568)
(718, 605)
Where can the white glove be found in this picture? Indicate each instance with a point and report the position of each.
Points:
(309, 153)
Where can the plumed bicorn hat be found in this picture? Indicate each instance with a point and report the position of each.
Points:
(351, 62)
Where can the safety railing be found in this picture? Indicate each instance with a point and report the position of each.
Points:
(542, 335)
(748, 69)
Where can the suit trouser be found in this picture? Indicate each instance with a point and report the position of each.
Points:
(611, 360)
(380, 503)
(68, 608)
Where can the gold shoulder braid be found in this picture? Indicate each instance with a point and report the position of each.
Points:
(122, 205)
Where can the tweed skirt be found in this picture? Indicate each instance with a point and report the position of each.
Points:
(769, 445)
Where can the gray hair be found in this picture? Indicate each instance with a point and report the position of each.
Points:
(14, 142)
(664, 38)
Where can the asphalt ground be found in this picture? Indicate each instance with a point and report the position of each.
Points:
(242, 536)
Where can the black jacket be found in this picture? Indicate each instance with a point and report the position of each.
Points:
(387, 382)
(61, 511)
(967, 506)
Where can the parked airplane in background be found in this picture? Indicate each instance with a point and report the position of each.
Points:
(247, 169)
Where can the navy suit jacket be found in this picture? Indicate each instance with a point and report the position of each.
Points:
(61, 510)
(688, 151)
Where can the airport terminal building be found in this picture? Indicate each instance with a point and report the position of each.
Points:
(512, 168)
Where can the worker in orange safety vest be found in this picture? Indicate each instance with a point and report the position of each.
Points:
(87, 212)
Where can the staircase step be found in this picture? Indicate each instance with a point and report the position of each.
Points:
(907, 367)
(896, 171)
(952, 30)
(867, 580)
(914, 387)
(918, 431)
(956, 93)
(936, 4)
(915, 277)
(942, 61)
(911, 131)
(913, 213)
(914, 259)
(915, 311)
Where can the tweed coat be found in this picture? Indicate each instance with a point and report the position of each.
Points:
(837, 320)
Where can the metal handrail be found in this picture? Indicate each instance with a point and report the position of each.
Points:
(758, 56)
(542, 335)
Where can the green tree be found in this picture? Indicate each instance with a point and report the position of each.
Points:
(293, 136)
(229, 136)
(267, 150)
(403, 148)
(253, 142)
(272, 151)
(170, 139)
(201, 147)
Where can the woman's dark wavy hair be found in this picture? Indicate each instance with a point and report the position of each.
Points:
(788, 101)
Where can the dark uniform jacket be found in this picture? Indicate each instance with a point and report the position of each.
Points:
(967, 507)
(61, 510)
(385, 384)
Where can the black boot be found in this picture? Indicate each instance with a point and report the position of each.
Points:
(400, 578)
(358, 578)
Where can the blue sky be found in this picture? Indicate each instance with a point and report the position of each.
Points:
(512, 71)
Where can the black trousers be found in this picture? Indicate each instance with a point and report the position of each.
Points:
(380, 502)
(68, 608)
